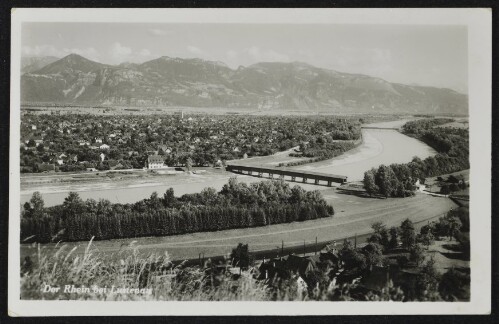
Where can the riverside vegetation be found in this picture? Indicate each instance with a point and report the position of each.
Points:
(397, 180)
(237, 205)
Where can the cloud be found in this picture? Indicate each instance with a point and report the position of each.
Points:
(231, 55)
(196, 51)
(49, 50)
(252, 55)
(265, 55)
(119, 53)
(145, 52)
(158, 32)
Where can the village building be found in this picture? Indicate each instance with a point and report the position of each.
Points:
(419, 186)
(155, 162)
(104, 147)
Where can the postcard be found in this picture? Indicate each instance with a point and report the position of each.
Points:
(250, 162)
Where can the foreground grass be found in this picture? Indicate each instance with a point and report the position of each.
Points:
(151, 277)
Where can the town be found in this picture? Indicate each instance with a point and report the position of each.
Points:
(75, 142)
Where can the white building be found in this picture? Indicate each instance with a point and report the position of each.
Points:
(104, 147)
(419, 186)
(155, 162)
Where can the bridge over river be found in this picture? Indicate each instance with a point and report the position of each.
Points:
(375, 127)
(291, 174)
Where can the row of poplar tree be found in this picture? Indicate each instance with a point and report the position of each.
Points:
(237, 205)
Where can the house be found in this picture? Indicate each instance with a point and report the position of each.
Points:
(98, 140)
(33, 127)
(102, 157)
(164, 148)
(155, 162)
(419, 186)
(286, 267)
(104, 147)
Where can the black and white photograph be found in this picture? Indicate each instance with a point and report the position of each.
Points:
(276, 161)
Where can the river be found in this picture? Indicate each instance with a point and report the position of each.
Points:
(380, 146)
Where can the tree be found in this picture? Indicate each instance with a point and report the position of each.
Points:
(369, 183)
(407, 233)
(427, 282)
(386, 180)
(426, 239)
(380, 235)
(73, 205)
(209, 196)
(373, 253)
(352, 258)
(417, 254)
(27, 210)
(393, 238)
(188, 164)
(240, 256)
(154, 201)
(169, 199)
(454, 285)
(37, 204)
(445, 189)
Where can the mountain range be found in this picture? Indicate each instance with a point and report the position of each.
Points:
(167, 81)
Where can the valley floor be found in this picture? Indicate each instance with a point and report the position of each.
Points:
(354, 214)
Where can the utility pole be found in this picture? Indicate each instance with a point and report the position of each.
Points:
(315, 246)
(303, 247)
(282, 248)
(355, 241)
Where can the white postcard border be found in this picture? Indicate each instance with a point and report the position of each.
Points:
(478, 22)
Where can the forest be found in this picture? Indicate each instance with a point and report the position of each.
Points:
(237, 205)
(397, 180)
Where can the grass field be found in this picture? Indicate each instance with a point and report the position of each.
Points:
(354, 215)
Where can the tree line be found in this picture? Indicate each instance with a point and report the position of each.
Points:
(237, 205)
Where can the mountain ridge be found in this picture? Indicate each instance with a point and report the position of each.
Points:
(167, 81)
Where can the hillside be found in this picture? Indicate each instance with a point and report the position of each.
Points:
(169, 81)
(34, 63)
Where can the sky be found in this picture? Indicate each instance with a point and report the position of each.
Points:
(423, 55)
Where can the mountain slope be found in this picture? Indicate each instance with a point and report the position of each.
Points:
(169, 81)
(34, 63)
